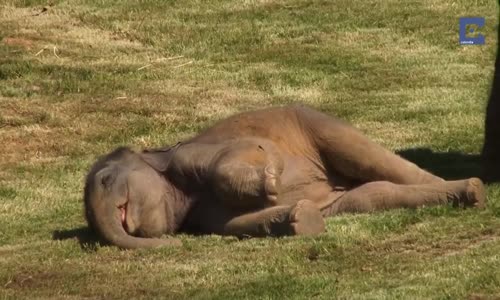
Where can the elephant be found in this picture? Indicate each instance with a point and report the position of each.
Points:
(491, 146)
(276, 172)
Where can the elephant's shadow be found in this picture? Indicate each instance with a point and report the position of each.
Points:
(448, 165)
(87, 238)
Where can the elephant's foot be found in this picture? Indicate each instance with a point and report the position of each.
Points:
(306, 219)
(475, 193)
(272, 183)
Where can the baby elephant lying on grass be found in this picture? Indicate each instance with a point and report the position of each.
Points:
(272, 172)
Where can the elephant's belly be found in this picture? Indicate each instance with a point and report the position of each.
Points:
(302, 179)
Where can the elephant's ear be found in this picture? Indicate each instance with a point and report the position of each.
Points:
(159, 159)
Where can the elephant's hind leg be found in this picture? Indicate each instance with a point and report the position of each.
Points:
(383, 195)
(350, 153)
(303, 218)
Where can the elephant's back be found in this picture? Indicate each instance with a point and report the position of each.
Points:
(278, 124)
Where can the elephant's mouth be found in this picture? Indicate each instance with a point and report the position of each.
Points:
(123, 215)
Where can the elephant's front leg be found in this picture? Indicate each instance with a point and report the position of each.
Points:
(247, 175)
(240, 184)
(303, 218)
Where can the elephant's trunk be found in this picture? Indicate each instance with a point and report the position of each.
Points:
(107, 221)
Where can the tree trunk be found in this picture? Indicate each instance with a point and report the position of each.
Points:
(491, 148)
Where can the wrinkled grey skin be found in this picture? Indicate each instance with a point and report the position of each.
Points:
(122, 180)
(271, 172)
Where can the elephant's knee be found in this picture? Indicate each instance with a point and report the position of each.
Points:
(369, 197)
(377, 187)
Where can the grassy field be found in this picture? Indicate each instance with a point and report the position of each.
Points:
(78, 78)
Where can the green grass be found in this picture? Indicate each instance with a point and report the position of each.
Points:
(152, 72)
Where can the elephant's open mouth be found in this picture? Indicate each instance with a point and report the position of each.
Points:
(123, 216)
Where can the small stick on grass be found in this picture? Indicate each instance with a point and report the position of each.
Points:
(160, 60)
(182, 65)
(40, 52)
(144, 67)
(168, 58)
(55, 52)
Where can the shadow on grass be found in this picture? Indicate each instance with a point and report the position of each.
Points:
(273, 286)
(87, 239)
(448, 165)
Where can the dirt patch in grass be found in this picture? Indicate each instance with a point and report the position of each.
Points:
(18, 42)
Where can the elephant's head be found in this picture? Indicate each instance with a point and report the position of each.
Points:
(126, 201)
